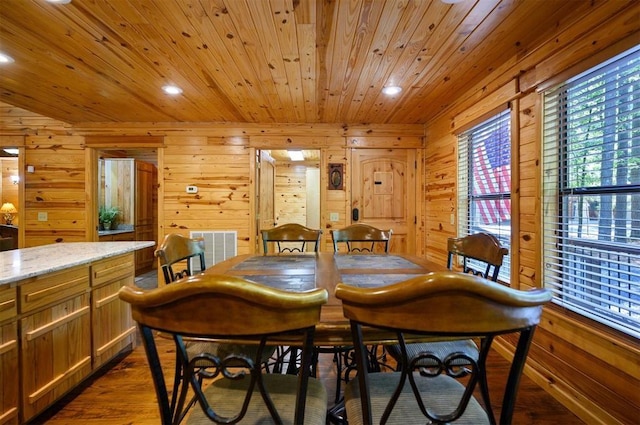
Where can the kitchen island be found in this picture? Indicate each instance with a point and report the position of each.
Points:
(60, 319)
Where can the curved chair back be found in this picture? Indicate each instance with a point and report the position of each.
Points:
(481, 247)
(291, 232)
(174, 251)
(458, 305)
(226, 307)
(361, 233)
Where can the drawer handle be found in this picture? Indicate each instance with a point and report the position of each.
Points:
(9, 414)
(7, 305)
(51, 385)
(58, 322)
(100, 351)
(115, 269)
(8, 346)
(33, 296)
(106, 300)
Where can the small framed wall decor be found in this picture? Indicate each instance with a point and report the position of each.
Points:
(336, 176)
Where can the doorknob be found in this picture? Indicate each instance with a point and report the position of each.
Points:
(355, 215)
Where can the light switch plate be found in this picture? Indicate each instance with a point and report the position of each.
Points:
(334, 216)
(43, 216)
(192, 189)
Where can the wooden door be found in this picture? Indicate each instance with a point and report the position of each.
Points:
(145, 190)
(266, 194)
(383, 192)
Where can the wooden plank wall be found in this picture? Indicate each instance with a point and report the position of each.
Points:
(57, 187)
(591, 369)
(223, 174)
(291, 192)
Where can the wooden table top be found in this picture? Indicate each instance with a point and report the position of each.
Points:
(325, 270)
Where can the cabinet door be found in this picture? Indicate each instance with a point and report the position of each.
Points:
(113, 327)
(8, 367)
(9, 389)
(56, 352)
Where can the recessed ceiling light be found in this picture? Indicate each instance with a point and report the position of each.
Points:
(451, 1)
(4, 58)
(172, 90)
(391, 90)
(296, 155)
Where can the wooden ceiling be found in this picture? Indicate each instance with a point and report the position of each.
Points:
(262, 61)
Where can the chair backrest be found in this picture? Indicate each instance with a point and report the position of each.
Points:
(457, 305)
(224, 307)
(291, 232)
(361, 233)
(174, 251)
(482, 247)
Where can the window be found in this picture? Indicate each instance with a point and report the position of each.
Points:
(591, 193)
(484, 181)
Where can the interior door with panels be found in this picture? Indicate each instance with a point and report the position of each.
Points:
(383, 191)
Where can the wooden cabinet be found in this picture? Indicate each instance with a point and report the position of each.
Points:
(55, 335)
(112, 325)
(128, 236)
(146, 178)
(9, 391)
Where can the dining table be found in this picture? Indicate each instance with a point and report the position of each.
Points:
(305, 271)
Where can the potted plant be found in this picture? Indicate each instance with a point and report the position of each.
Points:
(107, 215)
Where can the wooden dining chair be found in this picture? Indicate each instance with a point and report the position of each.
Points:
(482, 255)
(226, 307)
(361, 238)
(291, 237)
(458, 305)
(357, 238)
(175, 255)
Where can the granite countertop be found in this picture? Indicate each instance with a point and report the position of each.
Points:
(23, 263)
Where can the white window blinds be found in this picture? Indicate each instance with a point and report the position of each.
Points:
(591, 193)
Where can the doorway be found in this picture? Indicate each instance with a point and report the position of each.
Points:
(10, 197)
(288, 190)
(128, 185)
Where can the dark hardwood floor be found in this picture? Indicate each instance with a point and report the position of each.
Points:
(123, 393)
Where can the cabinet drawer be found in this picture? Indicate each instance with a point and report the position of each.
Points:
(46, 289)
(8, 305)
(113, 268)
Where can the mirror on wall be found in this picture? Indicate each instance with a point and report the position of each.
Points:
(9, 195)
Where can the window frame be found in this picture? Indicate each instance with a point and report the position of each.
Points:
(468, 200)
(570, 263)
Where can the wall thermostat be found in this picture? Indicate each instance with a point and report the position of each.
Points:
(192, 189)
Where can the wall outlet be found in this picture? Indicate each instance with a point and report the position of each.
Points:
(453, 219)
(334, 216)
(192, 189)
(43, 216)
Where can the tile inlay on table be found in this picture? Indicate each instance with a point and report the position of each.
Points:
(359, 261)
(272, 262)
